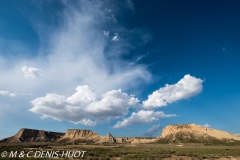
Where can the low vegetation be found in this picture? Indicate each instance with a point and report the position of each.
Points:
(135, 152)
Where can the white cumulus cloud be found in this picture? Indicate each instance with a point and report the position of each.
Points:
(31, 73)
(153, 130)
(84, 95)
(84, 106)
(141, 117)
(187, 87)
(112, 105)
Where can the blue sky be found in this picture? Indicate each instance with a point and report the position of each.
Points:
(127, 68)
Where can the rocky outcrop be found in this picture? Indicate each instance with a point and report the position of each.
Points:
(134, 140)
(108, 139)
(80, 136)
(186, 133)
(32, 135)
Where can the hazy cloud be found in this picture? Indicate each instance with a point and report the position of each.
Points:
(116, 37)
(7, 93)
(207, 125)
(130, 4)
(153, 130)
(31, 73)
(142, 117)
(112, 18)
(74, 52)
(4, 93)
(106, 33)
(187, 87)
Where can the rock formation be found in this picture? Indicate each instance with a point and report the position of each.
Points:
(108, 139)
(134, 140)
(193, 133)
(184, 133)
(80, 136)
(32, 135)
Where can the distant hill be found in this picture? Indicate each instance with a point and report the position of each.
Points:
(33, 135)
(186, 133)
(80, 136)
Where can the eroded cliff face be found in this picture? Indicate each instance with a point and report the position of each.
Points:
(78, 136)
(184, 133)
(134, 140)
(71, 136)
(194, 133)
(108, 139)
(32, 135)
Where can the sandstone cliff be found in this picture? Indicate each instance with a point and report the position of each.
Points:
(108, 139)
(80, 136)
(32, 135)
(184, 133)
(194, 133)
(134, 140)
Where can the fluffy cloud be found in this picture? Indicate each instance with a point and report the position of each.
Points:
(187, 87)
(112, 105)
(7, 93)
(74, 51)
(84, 107)
(153, 130)
(84, 95)
(31, 73)
(141, 117)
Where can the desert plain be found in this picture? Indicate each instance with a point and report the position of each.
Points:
(177, 142)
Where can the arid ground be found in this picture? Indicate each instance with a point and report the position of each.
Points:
(154, 151)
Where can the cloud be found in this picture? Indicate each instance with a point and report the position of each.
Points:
(141, 57)
(142, 117)
(187, 87)
(31, 73)
(84, 95)
(130, 4)
(113, 104)
(74, 52)
(106, 33)
(7, 93)
(116, 37)
(4, 92)
(112, 18)
(207, 125)
(153, 130)
(12, 94)
(84, 106)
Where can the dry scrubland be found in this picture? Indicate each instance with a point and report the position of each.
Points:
(177, 142)
(153, 151)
